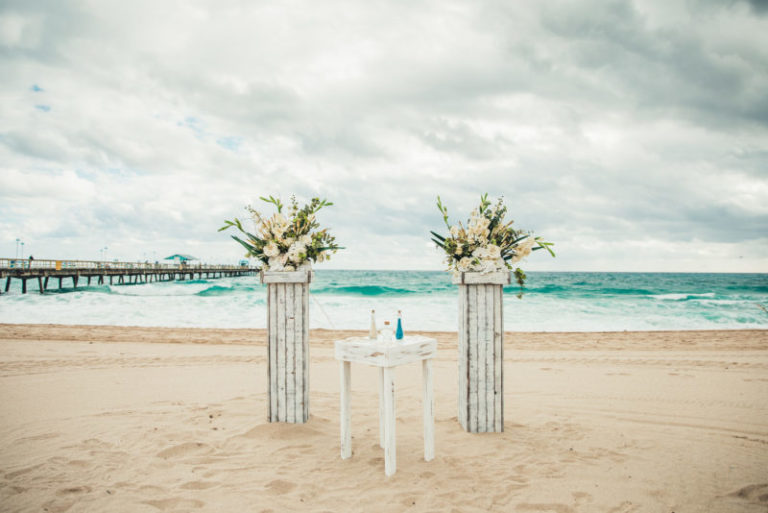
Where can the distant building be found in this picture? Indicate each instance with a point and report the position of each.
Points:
(180, 259)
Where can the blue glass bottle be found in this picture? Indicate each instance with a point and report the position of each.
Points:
(399, 331)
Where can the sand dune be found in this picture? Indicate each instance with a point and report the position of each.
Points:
(144, 419)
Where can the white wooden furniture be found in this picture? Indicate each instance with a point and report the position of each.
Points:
(288, 344)
(387, 356)
(481, 351)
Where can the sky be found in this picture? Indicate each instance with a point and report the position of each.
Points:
(633, 135)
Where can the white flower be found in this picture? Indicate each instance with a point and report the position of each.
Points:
(493, 251)
(459, 249)
(523, 249)
(296, 251)
(280, 220)
(279, 224)
(271, 249)
(305, 240)
(527, 246)
(454, 231)
(480, 252)
(276, 263)
(288, 268)
(464, 264)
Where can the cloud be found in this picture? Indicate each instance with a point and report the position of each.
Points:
(609, 127)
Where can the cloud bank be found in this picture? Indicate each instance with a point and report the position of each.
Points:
(632, 134)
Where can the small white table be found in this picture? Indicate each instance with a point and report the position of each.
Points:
(387, 356)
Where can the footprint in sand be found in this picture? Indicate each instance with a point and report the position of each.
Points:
(75, 490)
(548, 507)
(625, 507)
(185, 449)
(280, 487)
(176, 504)
(199, 485)
(57, 506)
(753, 493)
(21, 472)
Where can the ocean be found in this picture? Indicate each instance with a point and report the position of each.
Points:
(554, 301)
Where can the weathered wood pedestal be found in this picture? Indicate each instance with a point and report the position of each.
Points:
(481, 351)
(387, 356)
(288, 344)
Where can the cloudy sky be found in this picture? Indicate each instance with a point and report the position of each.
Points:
(634, 135)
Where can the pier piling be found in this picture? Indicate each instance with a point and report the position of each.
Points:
(126, 272)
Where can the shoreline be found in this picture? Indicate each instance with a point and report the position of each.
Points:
(731, 339)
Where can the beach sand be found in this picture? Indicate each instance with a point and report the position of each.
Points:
(113, 419)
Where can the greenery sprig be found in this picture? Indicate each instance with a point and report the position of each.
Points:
(487, 243)
(283, 243)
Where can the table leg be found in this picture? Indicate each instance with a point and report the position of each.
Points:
(346, 432)
(381, 407)
(390, 445)
(428, 400)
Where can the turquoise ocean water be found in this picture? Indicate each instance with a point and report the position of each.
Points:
(564, 301)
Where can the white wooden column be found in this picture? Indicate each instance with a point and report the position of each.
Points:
(346, 418)
(390, 444)
(428, 399)
(381, 407)
(288, 345)
(481, 351)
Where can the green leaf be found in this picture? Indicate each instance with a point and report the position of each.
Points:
(227, 225)
(521, 238)
(437, 235)
(253, 237)
(251, 249)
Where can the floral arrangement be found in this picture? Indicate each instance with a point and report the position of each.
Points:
(487, 244)
(287, 242)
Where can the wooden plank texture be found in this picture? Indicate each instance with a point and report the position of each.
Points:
(348, 351)
(287, 277)
(498, 362)
(428, 399)
(380, 354)
(305, 353)
(472, 319)
(489, 358)
(281, 415)
(462, 361)
(346, 422)
(288, 351)
(497, 278)
(272, 350)
(390, 446)
(481, 357)
(298, 357)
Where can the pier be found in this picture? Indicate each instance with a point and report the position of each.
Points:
(118, 273)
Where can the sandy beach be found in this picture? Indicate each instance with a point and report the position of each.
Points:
(159, 419)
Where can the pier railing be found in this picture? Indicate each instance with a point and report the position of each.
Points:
(58, 265)
(124, 272)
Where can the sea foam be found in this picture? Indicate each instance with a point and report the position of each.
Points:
(428, 300)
